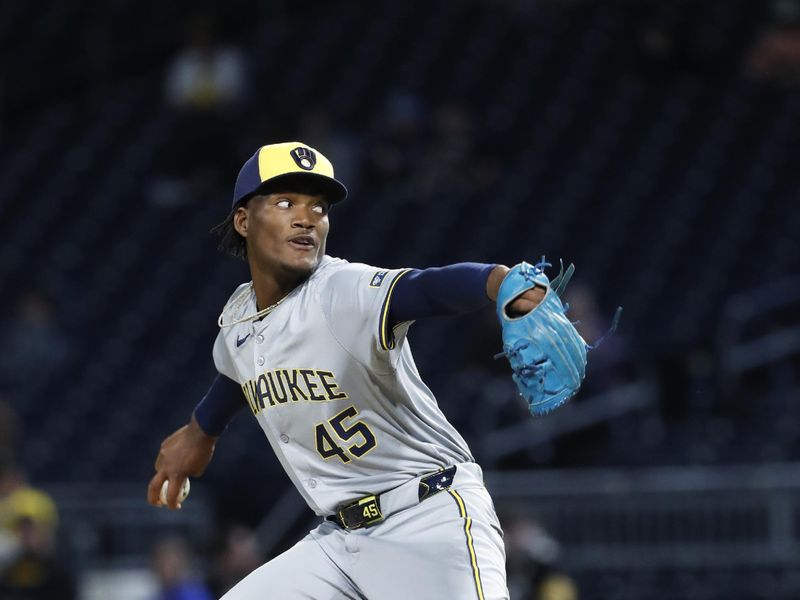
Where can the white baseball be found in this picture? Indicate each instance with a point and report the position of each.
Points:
(181, 495)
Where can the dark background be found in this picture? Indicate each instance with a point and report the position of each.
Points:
(653, 144)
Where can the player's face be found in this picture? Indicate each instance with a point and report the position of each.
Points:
(286, 232)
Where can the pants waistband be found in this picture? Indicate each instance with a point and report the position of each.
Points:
(371, 510)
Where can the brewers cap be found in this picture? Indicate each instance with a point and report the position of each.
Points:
(275, 164)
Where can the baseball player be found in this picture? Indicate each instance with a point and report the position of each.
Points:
(316, 348)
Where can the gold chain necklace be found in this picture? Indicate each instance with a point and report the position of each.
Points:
(237, 303)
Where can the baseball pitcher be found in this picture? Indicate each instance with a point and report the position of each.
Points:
(315, 347)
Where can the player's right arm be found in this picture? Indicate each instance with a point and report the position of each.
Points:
(188, 451)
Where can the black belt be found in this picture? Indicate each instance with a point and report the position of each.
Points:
(366, 511)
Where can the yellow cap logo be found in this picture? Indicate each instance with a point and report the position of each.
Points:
(304, 158)
(291, 157)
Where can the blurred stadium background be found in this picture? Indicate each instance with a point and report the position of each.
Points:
(653, 143)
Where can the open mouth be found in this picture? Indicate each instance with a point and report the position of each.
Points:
(302, 242)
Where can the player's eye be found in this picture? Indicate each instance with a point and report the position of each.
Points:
(320, 209)
(283, 203)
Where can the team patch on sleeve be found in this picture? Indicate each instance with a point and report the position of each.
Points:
(377, 279)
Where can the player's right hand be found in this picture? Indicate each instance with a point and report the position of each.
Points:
(185, 453)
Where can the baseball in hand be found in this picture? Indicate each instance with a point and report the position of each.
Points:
(181, 495)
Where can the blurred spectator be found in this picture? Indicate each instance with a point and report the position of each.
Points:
(239, 555)
(555, 586)
(173, 568)
(29, 519)
(532, 556)
(206, 76)
(39, 344)
(776, 54)
(8, 439)
(205, 87)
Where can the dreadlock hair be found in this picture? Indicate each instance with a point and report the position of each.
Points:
(231, 241)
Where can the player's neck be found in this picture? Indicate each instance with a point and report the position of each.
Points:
(270, 288)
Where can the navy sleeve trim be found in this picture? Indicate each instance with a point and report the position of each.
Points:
(220, 404)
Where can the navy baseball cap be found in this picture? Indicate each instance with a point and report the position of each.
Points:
(286, 162)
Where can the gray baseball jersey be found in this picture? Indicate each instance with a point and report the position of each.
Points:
(334, 386)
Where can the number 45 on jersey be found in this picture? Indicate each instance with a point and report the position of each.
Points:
(333, 437)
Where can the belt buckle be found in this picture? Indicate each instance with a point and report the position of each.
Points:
(368, 513)
(370, 510)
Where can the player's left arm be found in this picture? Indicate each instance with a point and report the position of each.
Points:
(454, 289)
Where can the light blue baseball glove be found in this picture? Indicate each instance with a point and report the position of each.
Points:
(546, 352)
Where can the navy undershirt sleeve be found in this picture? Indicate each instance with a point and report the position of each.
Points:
(220, 404)
(438, 291)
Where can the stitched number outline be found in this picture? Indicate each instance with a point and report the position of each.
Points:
(328, 446)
